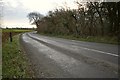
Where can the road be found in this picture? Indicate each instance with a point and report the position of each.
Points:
(62, 58)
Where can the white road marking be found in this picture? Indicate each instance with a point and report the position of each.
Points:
(100, 51)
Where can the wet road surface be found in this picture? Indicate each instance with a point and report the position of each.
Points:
(61, 58)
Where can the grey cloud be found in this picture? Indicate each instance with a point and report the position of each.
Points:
(14, 13)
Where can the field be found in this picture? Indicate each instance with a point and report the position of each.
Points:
(6, 32)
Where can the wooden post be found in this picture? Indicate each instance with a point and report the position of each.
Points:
(10, 36)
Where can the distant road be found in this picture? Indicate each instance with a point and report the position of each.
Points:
(63, 58)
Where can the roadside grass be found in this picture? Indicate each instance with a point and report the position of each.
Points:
(14, 61)
(97, 39)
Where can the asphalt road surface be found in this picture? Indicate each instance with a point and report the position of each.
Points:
(62, 58)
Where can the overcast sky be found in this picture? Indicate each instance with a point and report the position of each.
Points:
(15, 11)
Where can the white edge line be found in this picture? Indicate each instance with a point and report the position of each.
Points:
(100, 51)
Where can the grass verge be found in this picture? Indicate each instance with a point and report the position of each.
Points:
(98, 39)
(14, 61)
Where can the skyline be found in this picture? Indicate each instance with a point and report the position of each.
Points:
(15, 11)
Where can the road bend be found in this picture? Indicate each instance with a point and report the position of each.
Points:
(62, 58)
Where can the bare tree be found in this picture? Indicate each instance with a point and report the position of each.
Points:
(35, 17)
